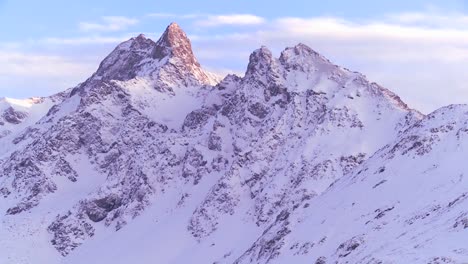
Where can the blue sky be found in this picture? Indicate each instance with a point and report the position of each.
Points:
(22, 20)
(416, 48)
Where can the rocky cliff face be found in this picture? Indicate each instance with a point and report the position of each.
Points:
(154, 158)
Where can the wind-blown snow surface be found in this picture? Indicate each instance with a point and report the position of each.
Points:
(152, 159)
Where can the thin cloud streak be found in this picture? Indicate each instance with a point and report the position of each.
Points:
(84, 40)
(176, 16)
(21, 64)
(230, 20)
(437, 20)
(109, 23)
(29, 74)
(211, 20)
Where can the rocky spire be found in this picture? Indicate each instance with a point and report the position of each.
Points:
(175, 43)
(260, 61)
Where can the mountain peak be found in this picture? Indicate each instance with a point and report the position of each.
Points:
(260, 61)
(173, 26)
(175, 43)
(302, 54)
(141, 37)
(170, 60)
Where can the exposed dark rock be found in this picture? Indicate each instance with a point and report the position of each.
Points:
(12, 116)
(321, 260)
(197, 119)
(214, 142)
(67, 233)
(347, 247)
(24, 206)
(258, 110)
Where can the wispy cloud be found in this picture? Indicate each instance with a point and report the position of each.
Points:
(231, 20)
(212, 20)
(84, 40)
(175, 16)
(431, 19)
(29, 64)
(28, 74)
(109, 23)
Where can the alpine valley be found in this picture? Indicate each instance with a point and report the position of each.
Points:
(155, 160)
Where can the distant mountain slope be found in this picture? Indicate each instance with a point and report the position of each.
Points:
(16, 115)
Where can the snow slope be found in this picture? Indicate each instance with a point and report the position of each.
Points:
(405, 204)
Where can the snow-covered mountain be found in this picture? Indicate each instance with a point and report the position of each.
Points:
(154, 160)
